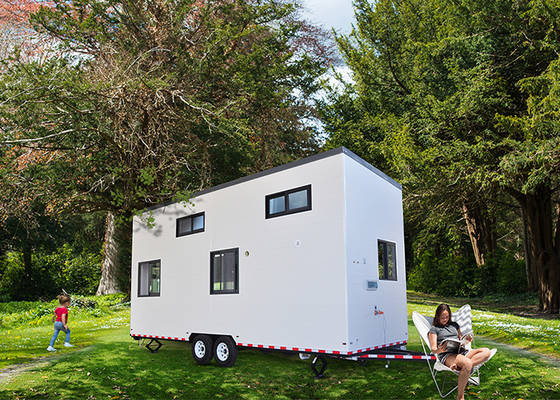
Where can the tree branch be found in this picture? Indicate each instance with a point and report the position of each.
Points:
(35, 139)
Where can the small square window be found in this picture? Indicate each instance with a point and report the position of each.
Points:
(149, 278)
(224, 271)
(387, 260)
(190, 224)
(288, 202)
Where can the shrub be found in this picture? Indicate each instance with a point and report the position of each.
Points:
(454, 275)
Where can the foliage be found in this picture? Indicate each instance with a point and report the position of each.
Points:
(38, 313)
(459, 101)
(50, 274)
(454, 275)
(128, 117)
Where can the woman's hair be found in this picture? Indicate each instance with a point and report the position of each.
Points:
(441, 308)
(63, 298)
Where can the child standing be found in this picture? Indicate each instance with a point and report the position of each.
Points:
(61, 323)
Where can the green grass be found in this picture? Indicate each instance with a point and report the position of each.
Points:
(115, 367)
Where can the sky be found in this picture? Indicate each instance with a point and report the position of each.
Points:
(337, 14)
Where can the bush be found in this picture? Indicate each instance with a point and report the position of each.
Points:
(50, 273)
(454, 275)
(19, 313)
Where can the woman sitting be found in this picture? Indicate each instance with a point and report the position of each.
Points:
(460, 359)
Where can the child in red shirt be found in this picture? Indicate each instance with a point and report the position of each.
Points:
(61, 323)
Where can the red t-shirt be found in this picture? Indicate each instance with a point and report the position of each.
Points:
(59, 312)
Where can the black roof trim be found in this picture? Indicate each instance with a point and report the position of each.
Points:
(283, 167)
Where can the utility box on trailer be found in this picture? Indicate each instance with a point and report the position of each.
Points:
(307, 256)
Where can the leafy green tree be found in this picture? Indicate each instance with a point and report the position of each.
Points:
(143, 100)
(438, 90)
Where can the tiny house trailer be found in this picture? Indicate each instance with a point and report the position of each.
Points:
(305, 257)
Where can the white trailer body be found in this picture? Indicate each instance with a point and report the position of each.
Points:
(327, 278)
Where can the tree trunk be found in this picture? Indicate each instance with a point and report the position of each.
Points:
(482, 232)
(530, 269)
(27, 285)
(537, 209)
(108, 283)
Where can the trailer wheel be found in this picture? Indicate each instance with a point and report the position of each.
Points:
(202, 349)
(225, 351)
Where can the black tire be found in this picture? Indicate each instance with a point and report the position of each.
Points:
(202, 349)
(225, 351)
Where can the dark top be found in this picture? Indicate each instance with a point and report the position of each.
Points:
(451, 330)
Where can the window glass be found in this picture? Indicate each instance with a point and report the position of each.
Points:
(185, 225)
(154, 283)
(297, 199)
(217, 272)
(391, 267)
(381, 260)
(277, 205)
(387, 260)
(198, 222)
(228, 271)
(149, 278)
(224, 271)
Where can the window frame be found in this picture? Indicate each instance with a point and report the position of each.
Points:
(386, 266)
(140, 278)
(286, 194)
(192, 231)
(235, 290)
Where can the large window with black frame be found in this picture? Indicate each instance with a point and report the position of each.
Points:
(288, 202)
(387, 257)
(190, 224)
(149, 278)
(224, 271)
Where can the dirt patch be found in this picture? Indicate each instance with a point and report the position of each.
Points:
(553, 361)
(17, 369)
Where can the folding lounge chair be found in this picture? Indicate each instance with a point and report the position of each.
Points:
(463, 317)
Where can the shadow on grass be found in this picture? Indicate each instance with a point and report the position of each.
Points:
(117, 368)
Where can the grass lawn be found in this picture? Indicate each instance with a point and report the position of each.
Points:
(115, 367)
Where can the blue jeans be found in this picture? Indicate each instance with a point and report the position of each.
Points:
(58, 326)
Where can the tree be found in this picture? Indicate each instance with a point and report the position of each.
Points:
(152, 99)
(438, 87)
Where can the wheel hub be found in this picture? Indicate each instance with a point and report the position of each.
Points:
(199, 349)
(222, 352)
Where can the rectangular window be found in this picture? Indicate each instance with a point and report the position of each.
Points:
(288, 202)
(224, 271)
(387, 257)
(190, 224)
(149, 278)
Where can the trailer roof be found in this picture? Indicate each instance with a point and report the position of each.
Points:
(297, 163)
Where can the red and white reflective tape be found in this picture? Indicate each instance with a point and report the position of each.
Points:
(320, 351)
(397, 357)
(298, 349)
(181, 339)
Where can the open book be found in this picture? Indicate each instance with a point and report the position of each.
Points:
(453, 345)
